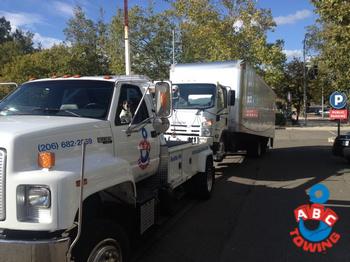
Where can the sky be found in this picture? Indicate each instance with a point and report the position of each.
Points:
(47, 18)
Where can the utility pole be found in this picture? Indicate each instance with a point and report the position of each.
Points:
(173, 46)
(126, 37)
(305, 80)
(322, 101)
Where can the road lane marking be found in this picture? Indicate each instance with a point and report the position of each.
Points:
(288, 184)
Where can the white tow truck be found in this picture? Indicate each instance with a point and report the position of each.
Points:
(84, 165)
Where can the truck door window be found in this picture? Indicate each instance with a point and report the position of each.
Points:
(129, 98)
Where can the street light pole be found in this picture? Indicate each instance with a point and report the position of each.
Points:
(322, 101)
(305, 81)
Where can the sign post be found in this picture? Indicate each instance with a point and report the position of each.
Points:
(338, 102)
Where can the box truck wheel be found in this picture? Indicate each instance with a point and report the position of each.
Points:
(102, 240)
(220, 151)
(204, 182)
(255, 148)
(264, 145)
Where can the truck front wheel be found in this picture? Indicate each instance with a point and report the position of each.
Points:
(220, 151)
(102, 241)
(204, 182)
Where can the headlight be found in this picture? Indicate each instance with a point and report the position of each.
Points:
(208, 122)
(207, 127)
(206, 131)
(33, 203)
(39, 197)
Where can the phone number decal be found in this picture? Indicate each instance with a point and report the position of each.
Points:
(63, 144)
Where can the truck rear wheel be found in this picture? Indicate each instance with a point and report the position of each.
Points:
(204, 182)
(100, 241)
(264, 145)
(255, 148)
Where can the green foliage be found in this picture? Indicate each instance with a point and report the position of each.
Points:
(5, 30)
(85, 38)
(207, 34)
(13, 44)
(150, 41)
(330, 38)
(293, 83)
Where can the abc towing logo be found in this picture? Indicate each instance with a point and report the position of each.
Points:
(321, 238)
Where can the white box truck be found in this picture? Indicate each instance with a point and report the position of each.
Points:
(224, 103)
(84, 164)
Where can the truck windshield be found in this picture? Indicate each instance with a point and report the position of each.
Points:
(77, 98)
(193, 96)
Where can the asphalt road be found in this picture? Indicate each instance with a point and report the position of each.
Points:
(251, 213)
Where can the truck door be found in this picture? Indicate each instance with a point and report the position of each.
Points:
(221, 118)
(141, 147)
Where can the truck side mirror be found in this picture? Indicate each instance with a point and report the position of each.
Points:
(161, 125)
(232, 97)
(163, 100)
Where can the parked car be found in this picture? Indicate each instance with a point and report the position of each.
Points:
(341, 146)
(325, 112)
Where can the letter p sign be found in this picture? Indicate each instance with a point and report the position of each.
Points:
(338, 100)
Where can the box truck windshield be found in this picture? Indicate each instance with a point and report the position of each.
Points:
(193, 96)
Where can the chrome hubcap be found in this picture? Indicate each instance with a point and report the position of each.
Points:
(106, 251)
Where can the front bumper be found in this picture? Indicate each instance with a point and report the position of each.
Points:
(189, 138)
(34, 251)
(340, 143)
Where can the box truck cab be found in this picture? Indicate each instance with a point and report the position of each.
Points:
(224, 103)
(200, 112)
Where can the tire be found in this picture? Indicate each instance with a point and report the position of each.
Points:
(203, 183)
(220, 152)
(255, 149)
(264, 146)
(102, 240)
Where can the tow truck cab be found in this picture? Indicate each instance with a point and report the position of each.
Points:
(82, 164)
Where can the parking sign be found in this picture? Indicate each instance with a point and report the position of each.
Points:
(337, 100)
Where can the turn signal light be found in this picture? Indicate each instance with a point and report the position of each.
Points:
(46, 159)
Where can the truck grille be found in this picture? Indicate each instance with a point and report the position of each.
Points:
(2, 183)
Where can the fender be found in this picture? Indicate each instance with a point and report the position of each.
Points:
(113, 172)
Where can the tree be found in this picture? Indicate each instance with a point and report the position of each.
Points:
(5, 30)
(293, 83)
(82, 34)
(13, 44)
(150, 40)
(230, 30)
(331, 39)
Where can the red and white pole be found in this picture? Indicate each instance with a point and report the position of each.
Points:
(126, 37)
